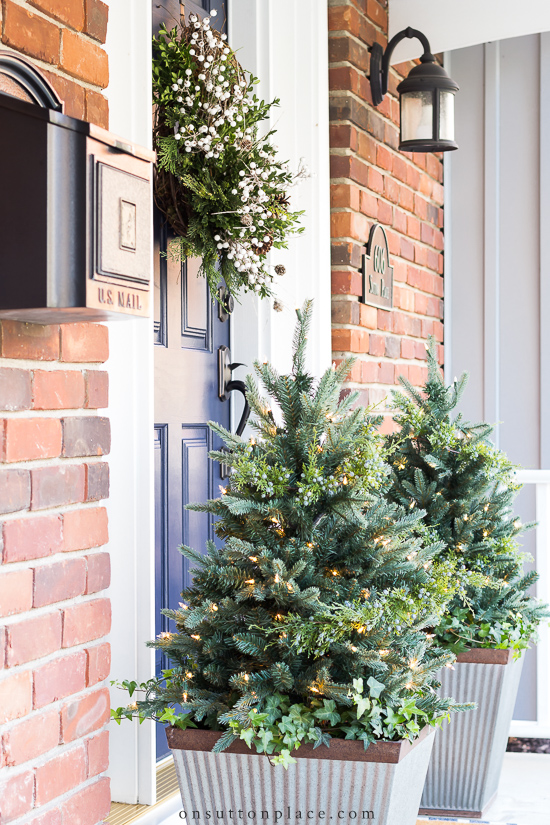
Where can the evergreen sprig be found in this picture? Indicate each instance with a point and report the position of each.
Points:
(466, 488)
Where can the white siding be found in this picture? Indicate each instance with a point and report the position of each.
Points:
(497, 298)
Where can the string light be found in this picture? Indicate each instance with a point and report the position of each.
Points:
(253, 558)
(183, 606)
(353, 648)
(185, 697)
(195, 636)
(413, 664)
(246, 677)
(384, 652)
(249, 581)
(189, 675)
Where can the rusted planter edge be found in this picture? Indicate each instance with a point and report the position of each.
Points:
(485, 656)
(344, 750)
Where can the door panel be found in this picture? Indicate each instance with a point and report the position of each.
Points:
(187, 335)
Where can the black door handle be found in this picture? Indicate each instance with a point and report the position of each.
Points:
(226, 384)
(240, 386)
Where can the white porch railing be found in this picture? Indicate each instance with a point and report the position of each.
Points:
(541, 727)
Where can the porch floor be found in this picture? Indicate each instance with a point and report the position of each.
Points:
(523, 798)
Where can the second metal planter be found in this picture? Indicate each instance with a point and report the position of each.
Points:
(343, 783)
(467, 756)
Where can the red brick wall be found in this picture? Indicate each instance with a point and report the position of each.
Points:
(63, 38)
(54, 614)
(372, 181)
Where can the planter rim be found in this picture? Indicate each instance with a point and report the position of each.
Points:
(345, 750)
(486, 656)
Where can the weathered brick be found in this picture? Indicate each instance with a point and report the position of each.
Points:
(60, 774)
(49, 817)
(29, 33)
(59, 678)
(89, 805)
(84, 60)
(99, 572)
(84, 529)
(15, 696)
(86, 436)
(97, 17)
(32, 538)
(70, 12)
(86, 622)
(345, 312)
(97, 109)
(346, 283)
(16, 794)
(57, 485)
(97, 389)
(99, 663)
(15, 592)
(84, 343)
(59, 581)
(33, 638)
(97, 481)
(58, 390)
(392, 347)
(15, 490)
(30, 438)
(85, 715)
(34, 341)
(98, 753)
(32, 737)
(72, 94)
(15, 389)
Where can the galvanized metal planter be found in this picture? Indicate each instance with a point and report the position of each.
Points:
(344, 782)
(467, 756)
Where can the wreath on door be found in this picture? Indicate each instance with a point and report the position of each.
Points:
(219, 183)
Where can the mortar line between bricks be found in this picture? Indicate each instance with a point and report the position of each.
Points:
(56, 461)
(45, 561)
(46, 610)
(55, 364)
(57, 510)
(75, 412)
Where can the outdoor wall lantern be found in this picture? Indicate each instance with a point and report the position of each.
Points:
(426, 97)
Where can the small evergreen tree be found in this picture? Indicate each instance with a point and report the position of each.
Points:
(308, 623)
(466, 488)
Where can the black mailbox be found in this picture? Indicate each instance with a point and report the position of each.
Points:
(75, 210)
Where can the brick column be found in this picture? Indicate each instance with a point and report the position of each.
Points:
(54, 613)
(372, 181)
(64, 38)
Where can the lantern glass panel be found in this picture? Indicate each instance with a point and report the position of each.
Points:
(416, 116)
(446, 115)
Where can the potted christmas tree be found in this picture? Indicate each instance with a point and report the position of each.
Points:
(301, 641)
(466, 488)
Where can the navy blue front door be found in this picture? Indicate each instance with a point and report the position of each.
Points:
(188, 335)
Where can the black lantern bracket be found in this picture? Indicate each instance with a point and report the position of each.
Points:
(427, 78)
